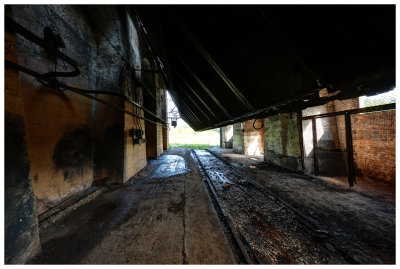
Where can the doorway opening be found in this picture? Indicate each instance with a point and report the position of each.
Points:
(181, 135)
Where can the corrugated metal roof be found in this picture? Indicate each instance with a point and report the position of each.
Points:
(227, 64)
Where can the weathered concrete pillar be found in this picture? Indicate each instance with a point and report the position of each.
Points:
(254, 137)
(221, 137)
(247, 139)
(282, 142)
(21, 225)
(238, 138)
(226, 134)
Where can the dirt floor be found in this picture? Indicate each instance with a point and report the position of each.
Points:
(191, 207)
(164, 217)
(356, 224)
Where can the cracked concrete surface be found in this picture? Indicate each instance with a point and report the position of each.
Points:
(155, 220)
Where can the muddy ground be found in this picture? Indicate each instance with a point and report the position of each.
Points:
(357, 226)
(190, 207)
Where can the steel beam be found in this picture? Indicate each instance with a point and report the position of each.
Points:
(203, 86)
(211, 61)
(195, 94)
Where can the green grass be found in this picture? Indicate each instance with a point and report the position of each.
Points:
(183, 137)
(192, 146)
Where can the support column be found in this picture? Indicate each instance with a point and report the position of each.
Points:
(315, 146)
(238, 138)
(349, 149)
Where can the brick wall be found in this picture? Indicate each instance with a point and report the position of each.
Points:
(135, 154)
(331, 138)
(374, 143)
(159, 140)
(165, 138)
(246, 139)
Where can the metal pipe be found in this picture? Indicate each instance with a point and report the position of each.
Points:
(53, 83)
(11, 24)
(127, 99)
(39, 41)
(354, 111)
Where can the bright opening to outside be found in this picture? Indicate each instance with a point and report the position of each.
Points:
(182, 136)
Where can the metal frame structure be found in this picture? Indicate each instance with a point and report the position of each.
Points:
(349, 138)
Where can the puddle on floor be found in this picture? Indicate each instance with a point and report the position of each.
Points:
(168, 166)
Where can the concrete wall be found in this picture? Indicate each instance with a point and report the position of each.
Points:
(238, 138)
(253, 138)
(109, 142)
(246, 139)
(59, 125)
(155, 101)
(20, 222)
(282, 144)
(226, 134)
(73, 142)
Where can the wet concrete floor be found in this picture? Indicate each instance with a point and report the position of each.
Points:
(164, 217)
(191, 207)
